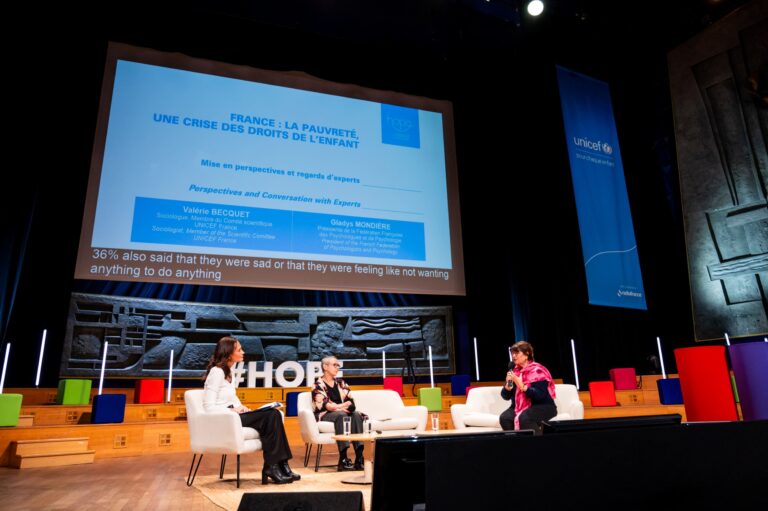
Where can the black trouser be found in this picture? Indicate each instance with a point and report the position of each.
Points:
(338, 426)
(529, 419)
(269, 424)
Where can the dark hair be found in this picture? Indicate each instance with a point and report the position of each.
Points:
(523, 347)
(220, 358)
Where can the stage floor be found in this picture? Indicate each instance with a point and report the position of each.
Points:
(137, 483)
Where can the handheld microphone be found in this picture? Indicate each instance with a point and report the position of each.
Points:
(510, 367)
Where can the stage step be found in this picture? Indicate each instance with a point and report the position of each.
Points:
(50, 452)
(26, 421)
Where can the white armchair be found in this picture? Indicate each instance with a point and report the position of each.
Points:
(484, 405)
(218, 432)
(569, 406)
(384, 408)
(481, 411)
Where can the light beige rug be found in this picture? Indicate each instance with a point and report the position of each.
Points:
(225, 494)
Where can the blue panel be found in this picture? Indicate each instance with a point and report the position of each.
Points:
(608, 243)
(171, 222)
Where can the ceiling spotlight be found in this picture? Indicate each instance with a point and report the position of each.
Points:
(535, 7)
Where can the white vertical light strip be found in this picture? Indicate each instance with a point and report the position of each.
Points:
(170, 378)
(40, 360)
(727, 339)
(661, 358)
(383, 364)
(477, 363)
(431, 374)
(5, 366)
(103, 364)
(575, 368)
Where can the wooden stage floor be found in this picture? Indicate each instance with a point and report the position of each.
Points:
(136, 483)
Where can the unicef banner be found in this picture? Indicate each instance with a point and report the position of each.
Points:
(608, 241)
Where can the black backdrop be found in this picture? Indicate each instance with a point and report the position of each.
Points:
(524, 267)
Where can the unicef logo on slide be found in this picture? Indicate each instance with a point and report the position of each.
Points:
(400, 126)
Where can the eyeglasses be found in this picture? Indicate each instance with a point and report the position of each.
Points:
(334, 365)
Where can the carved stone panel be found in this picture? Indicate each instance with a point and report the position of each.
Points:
(143, 332)
(721, 119)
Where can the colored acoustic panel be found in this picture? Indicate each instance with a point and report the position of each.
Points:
(292, 404)
(750, 367)
(73, 392)
(394, 383)
(602, 393)
(431, 398)
(459, 384)
(149, 391)
(10, 407)
(705, 384)
(108, 409)
(623, 378)
(669, 391)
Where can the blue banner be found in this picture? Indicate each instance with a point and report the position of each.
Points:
(608, 241)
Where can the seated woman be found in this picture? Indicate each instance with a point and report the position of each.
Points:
(220, 394)
(533, 390)
(332, 402)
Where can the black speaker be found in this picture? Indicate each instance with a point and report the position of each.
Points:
(304, 501)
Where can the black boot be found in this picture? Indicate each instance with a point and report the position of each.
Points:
(273, 472)
(344, 462)
(288, 472)
(359, 461)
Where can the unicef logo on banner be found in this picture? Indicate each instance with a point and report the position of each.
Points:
(593, 145)
(400, 126)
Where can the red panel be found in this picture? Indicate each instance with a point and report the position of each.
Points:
(602, 393)
(706, 384)
(394, 383)
(149, 391)
(623, 378)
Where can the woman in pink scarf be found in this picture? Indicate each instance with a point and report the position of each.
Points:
(532, 388)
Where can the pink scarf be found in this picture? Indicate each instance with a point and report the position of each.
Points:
(530, 373)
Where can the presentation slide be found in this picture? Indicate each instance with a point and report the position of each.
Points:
(209, 173)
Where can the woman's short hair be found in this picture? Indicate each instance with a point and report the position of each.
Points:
(523, 347)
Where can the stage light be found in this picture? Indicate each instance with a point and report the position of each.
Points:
(535, 7)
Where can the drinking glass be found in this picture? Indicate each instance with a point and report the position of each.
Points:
(347, 425)
(435, 421)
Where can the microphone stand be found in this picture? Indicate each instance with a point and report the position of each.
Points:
(408, 366)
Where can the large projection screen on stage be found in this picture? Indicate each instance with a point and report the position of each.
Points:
(210, 173)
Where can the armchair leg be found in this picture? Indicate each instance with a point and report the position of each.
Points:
(191, 475)
(238, 471)
(317, 459)
(223, 464)
(307, 454)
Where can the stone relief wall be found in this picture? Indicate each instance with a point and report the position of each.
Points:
(718, 82)
(143, 332)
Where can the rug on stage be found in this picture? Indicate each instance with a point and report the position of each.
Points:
(224, 492)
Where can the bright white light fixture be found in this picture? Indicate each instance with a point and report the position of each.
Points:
(535, 7)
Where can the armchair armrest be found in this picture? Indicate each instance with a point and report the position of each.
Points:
(310, 432)
(576, 410)
(417, 412)
(458, 412)
(218, 431)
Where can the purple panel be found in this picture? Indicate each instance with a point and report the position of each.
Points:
(750, 366)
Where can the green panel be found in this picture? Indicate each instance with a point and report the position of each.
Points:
(74, 392)
(10, 406)
(431, 398)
